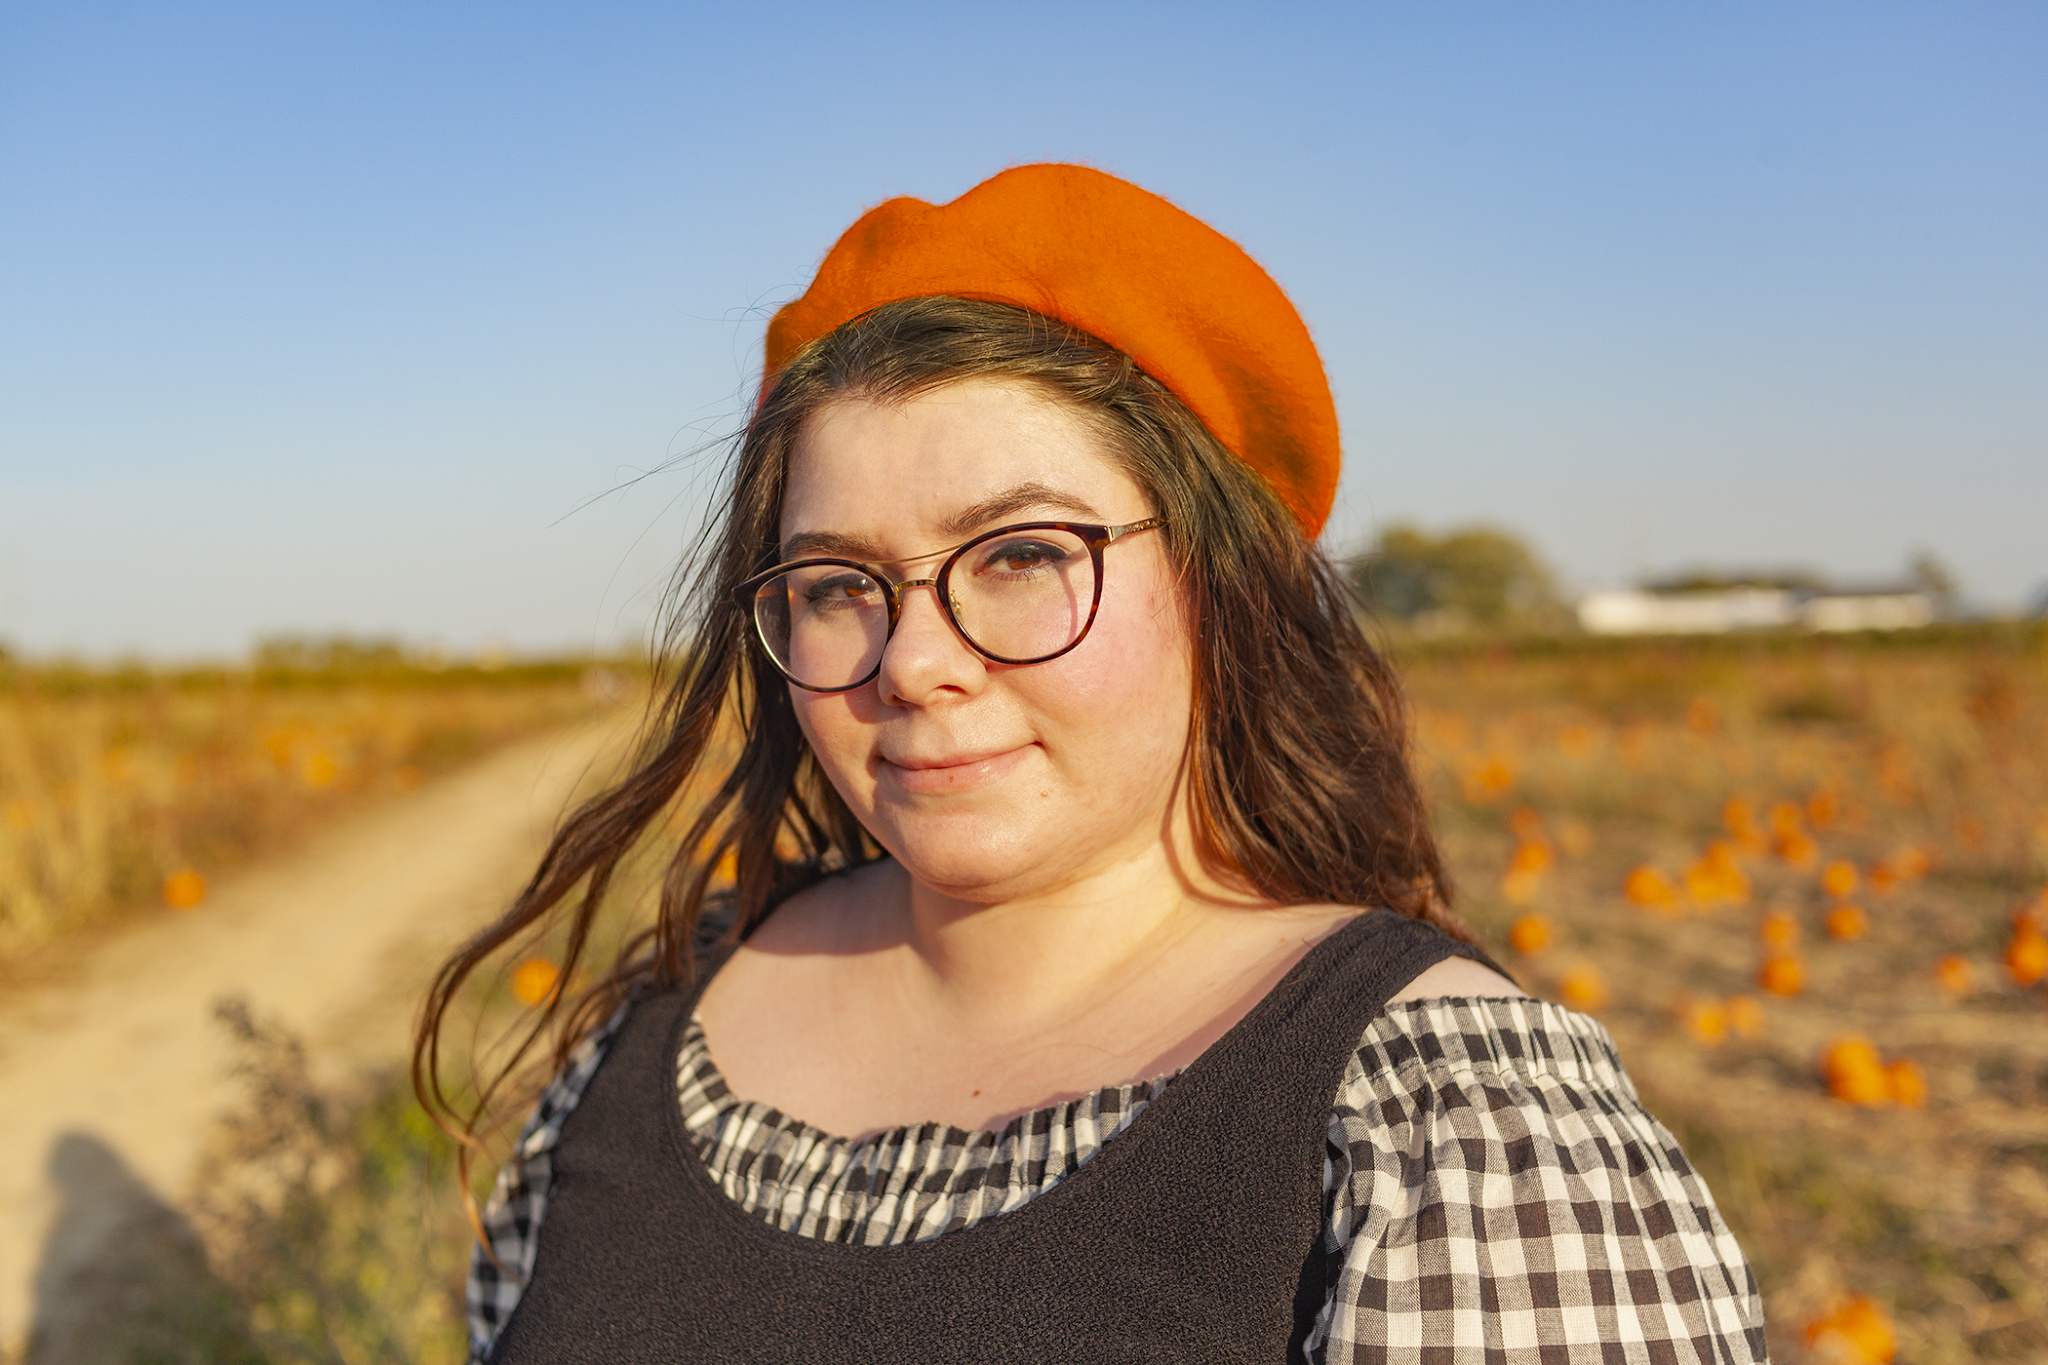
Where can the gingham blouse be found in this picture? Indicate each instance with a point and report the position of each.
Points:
(1494, 1190)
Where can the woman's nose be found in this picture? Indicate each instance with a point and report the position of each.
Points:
(926, 657)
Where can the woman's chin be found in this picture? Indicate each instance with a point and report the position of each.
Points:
(983, 866)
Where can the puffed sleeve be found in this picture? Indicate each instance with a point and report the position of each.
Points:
(1497, 1193)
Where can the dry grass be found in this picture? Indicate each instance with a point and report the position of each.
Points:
(331, 1215)
(1884, 756)
(1604, 759)
(127, 791)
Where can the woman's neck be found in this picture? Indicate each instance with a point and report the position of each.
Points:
(1039, 953)
(871, 1001)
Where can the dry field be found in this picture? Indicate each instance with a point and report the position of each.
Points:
(1740, 854)
(126, 791)
(1805, 884)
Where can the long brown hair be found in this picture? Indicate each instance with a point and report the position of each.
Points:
(1297, 775)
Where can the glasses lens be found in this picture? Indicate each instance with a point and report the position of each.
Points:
(824, 624)
(1024, 595)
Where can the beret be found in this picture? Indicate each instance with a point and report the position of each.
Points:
(1122, 264)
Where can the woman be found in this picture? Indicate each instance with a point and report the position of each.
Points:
(1087, 987)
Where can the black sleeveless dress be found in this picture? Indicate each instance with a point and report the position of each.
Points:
(1191, 1236)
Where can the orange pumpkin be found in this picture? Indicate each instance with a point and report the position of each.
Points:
(534, 981)
(1838, 878)
(1799, 849)
(1858, 1332)
(1823, 808)
(1584, 988)
(1488, 779)
(1525, 872)
(184, 889)
(1717, 879)
(2026, 956)
(1848, 923)
(1952, 973)
(1780, 929)
(319, 770)
(1909, 863)
(1707, 1022)
(1783, 975)
(1908, 1083)
(1530, 934)
(1651, 889)
(1519, 888)
(1855, 1073)
(1738, 817)
(1745, 1016)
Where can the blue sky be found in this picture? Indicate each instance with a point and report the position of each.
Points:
(365, 317)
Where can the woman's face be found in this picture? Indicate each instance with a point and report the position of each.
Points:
(989, 781)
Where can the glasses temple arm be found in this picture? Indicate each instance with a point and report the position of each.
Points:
(1131, 528)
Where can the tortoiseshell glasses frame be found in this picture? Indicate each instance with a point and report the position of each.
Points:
(768, 605)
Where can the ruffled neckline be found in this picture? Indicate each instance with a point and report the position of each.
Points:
(901, 1184)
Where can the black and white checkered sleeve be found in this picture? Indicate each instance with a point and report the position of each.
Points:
(511, 1218)
(1498, 1194)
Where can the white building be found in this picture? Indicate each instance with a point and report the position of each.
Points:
(1721, 610)
(1868, 611)
(1632, 612)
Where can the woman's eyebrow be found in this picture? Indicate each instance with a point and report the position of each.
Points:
(1022, 497)
(1011, 500)
(831, 544)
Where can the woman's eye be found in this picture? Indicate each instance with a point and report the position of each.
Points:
(1021, 556)
(846, 587)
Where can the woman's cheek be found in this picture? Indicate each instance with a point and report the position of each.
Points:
(1126, 694)
(840, 741)
(1135, 659)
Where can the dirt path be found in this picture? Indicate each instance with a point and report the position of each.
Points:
(111, 1079)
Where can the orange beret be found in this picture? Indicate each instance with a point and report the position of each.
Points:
(1120, 263)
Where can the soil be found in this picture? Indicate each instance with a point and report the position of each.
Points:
(115, 1068)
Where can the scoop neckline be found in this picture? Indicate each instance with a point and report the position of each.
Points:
(1160, 1084)
(1108, 1158)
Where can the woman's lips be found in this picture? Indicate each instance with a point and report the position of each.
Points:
(927, 777)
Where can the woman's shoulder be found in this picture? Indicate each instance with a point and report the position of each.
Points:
(1492, 1174)
(1455, 977)
(1490, 1158)
(1481, 1029)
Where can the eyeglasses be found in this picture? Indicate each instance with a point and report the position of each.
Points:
(1019, 595)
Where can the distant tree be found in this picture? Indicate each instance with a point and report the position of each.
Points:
(1468, 576)
(1932, 577)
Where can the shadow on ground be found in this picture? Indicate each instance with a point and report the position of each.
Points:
(124, 1278)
